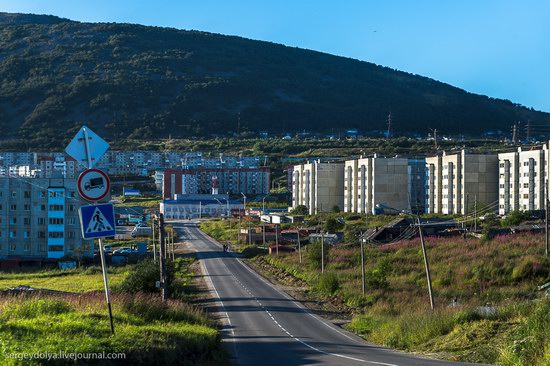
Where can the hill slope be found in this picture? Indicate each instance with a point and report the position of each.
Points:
(145, 82)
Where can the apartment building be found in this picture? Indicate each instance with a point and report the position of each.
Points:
(373, 181)
(523, 180)
(318, 185)
(455, 182)
(39, 219)
(229, 181)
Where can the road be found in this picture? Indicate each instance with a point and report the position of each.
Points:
(265, 326)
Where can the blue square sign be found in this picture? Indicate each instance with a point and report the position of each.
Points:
(97, 221)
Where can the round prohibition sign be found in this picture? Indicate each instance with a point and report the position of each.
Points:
(93, 185)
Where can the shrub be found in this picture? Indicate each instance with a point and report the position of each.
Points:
(314, 254)
(328, 283)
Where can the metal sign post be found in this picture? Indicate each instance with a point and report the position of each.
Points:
(75, 151)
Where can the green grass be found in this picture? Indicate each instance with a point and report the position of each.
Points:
(75, 280)
(148, 331)
(148, 202)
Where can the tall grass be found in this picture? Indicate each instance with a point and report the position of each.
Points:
(148, 331)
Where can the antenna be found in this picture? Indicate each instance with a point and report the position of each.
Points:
(434, 131)
(389, 132)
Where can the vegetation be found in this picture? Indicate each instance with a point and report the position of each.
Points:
(83, 279)
(137, 82)
(147, 330)
(496, 317)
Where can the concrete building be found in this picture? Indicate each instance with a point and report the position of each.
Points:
(377, 181)
(523, 180)
(229, 180)
(186, 206)
(318, 185)
(39, 219)
(455, 182)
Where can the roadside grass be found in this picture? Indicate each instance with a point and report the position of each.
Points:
(219, 229)
(83, 279)
(497, 318)
(147, 330)
(147, 202)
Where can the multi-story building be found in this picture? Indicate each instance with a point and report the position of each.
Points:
(318, 185)
(230, 181)
(523, 180)
(39, 219)
(373, 181)
(454, 183)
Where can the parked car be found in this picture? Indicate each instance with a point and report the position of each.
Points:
(125, 250)
(141, 231)
(107, 249)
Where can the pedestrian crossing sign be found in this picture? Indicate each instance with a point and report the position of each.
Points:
(97, 221)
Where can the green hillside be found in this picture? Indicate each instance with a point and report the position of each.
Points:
(148, 82)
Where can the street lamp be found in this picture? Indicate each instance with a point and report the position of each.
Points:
(220, 207)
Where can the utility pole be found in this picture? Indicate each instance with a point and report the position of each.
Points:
(514, 134)
(322, 252)
(163, 276)
(528, 131)
(277, 238)
(475, 213)
(426, 265)
(154, 244)
(546, 226)
(389, 132)
(299, 246)
(173, 246)
(363, 286)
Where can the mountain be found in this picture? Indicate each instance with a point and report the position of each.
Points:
(133, 81)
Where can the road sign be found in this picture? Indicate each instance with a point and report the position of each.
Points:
(93, 185)
(97, 221)
(79, 151)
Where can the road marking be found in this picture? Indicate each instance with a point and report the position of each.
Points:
(277, 323)
(211, 285)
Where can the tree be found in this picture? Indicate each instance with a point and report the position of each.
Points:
(300, 210)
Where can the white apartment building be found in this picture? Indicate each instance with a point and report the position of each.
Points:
(523, 180)
(376, 181)
(318, 185)
(455, 182)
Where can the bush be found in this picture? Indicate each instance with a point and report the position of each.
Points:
(143, 277)
(300, 210)
(314, 255)
(328, 283)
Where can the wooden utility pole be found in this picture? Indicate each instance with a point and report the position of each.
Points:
(426, 265)
(322, 252)
(299, 246)
(277, 238)
(475, 213)
(363, 285)
(162, 257)
(154, 244)
(546, 227)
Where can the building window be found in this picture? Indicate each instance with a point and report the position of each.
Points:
(42, 194)
(13, 220)
(27, 246)
(13, 234)
(55, 221)
(41, 221)
(55, 234)
(13, 194)
(42, 207)
(71, 234)
(56, 208)
(26, 221)
(13, 246)
(71, 207)
(13, 207)
(55, 248)
(41, 235)
(26, 207)
(42, 247)
(27, 194)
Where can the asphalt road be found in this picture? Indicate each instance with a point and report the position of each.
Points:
(265, 326)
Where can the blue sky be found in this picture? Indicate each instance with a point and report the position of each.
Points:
(499, 48)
